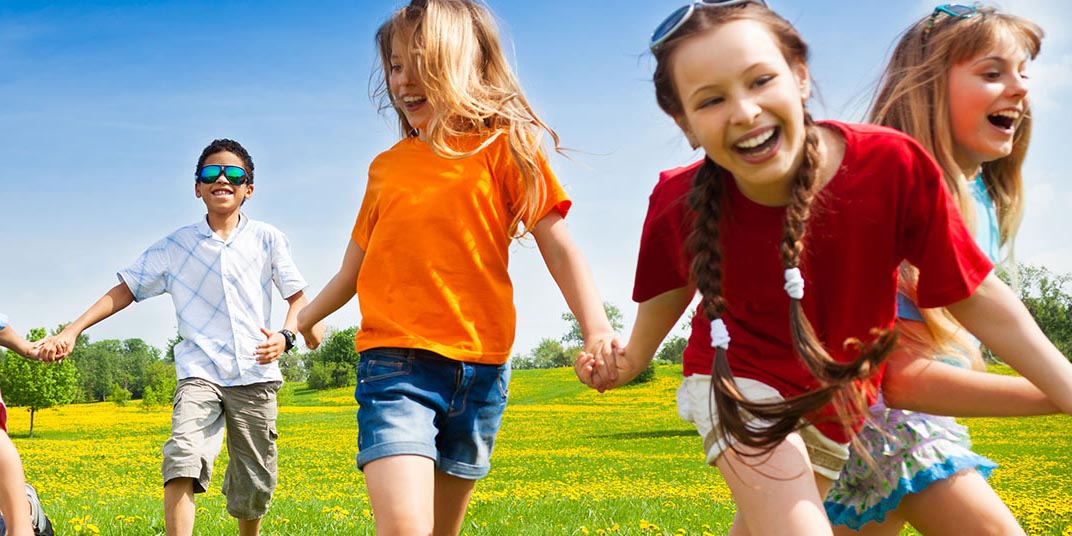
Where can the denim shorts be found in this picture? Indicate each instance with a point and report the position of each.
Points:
(417, 402)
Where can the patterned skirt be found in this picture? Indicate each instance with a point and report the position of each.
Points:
(911, 451)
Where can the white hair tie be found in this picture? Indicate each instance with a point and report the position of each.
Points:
(794, 283)
(720, 336)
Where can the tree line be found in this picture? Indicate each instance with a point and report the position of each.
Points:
(131, 369)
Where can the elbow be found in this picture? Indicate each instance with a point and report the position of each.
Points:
(896, 383)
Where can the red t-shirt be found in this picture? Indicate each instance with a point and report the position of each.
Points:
(886, 203)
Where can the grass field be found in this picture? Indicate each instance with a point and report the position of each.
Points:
(568, 461)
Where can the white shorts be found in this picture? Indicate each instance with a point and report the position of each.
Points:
(694, 405)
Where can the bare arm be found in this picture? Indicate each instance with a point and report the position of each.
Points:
(917, 382)
(997, 317)
(10, 339)
(115, 300)
(338, 291)
(655, 318)
(570, 271)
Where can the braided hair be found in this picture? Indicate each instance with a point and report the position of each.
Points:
(838, 380)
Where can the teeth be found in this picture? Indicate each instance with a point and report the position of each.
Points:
(1011, 114)
(757, 140)
(410, 99)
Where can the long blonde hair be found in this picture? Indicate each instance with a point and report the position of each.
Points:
(455, 49)
(914, 98)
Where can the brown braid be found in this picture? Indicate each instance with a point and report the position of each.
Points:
(838, 379)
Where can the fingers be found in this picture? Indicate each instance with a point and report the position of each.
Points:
(271, 349)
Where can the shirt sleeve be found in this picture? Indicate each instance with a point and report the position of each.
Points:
(367, 214)
(148, 276)
(3, 321)
(285, 274)
(663, 260)
(935, 239)
(507, 170)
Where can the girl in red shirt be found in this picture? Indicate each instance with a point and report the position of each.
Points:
(781, 204)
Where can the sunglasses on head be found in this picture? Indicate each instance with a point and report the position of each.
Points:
(956, 11)
(234, 174)
(673, 23)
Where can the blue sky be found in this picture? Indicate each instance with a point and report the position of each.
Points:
(106, 106)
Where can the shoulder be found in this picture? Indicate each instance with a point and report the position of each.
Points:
(675, 183)
(875, 150)
(185, 234)
(866, 139)
(265, 230)
(402, 146)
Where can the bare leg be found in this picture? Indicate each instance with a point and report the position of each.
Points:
(249, 527)
(962, 504)
(402, 492)
(13, 502)
(451, 501)
(179, 507)
(777, 493)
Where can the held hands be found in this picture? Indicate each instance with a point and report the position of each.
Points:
(54, 348)
(598, 364)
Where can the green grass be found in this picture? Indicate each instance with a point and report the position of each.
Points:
(568, 461)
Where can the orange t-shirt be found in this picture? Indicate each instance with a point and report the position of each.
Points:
(436, 238)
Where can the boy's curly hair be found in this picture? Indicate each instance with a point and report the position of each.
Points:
(230, 146)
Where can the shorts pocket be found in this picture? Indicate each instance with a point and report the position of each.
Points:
(504, 381)
(377, 367)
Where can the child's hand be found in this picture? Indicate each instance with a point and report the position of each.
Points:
(604, 350)
(270, 350)
(54, 348)
(313, 335)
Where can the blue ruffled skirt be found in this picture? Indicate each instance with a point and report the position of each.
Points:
(912, 450)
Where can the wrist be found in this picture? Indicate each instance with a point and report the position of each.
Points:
(289, 338)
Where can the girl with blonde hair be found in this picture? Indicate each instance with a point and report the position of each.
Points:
(428, 257)
(955, 83)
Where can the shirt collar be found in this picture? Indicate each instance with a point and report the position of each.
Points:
(207, 232)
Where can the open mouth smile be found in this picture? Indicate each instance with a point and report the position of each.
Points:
(758, 146)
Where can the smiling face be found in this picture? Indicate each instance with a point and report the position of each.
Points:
(408, 92)
(987, 98)
(221, 197)
(743, 103)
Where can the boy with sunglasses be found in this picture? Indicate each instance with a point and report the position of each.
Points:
(219, 272)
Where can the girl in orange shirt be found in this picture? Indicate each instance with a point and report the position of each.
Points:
(428, 256)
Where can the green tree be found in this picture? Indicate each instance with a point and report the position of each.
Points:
(37, 385)
(549, 353)
(672, 350)
(1046, 296)
(160, 382)
(119, 395)
(98, 367)
(169, 354)
(334, 363)
(573, 337)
